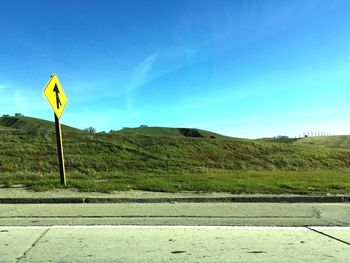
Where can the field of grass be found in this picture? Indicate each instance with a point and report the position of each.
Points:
(114, 161)
(336, 142)
(4, 128)
(238, 182)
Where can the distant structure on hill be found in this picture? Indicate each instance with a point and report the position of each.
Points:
(314, 134)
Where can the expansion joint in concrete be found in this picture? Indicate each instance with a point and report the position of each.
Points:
(329, 236)
(32, 246)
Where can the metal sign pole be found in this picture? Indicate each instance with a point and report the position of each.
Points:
(60, 151)
(57, 98)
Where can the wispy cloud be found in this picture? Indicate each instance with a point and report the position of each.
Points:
(337, 126)
(17, 100)
(104, 120)
(331, 120)
(173, 58)
(275, 83)
(139, 77)
(278, 117)
(156, 65)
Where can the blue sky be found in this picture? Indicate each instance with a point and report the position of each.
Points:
(241, 68)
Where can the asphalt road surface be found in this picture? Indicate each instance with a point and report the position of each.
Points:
(178, 232)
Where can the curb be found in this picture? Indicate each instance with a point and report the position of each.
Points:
(243, 199)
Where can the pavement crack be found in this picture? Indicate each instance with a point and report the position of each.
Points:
(332, 237)
(32, 246)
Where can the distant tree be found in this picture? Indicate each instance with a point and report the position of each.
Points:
(90, 130)
(143, 126)
(190, 132)
(281, 137)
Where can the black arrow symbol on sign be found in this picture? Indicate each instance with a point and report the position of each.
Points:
(58, 101)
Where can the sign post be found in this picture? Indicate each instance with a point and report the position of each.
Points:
(58, 100)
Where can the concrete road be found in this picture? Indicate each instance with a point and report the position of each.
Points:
(174, 244)
(207, 214)
(175, 232)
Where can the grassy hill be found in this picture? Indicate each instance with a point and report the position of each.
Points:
(4, 128)
(117, 161)
(336, 142)
(178, 132)
(29, 123)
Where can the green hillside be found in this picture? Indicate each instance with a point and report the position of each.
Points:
(338, 142)
(4, 128)
(114, 161)
(178, 132)
(29, 123)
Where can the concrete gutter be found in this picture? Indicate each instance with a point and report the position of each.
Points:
(235, 199)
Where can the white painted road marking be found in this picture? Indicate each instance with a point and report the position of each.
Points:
(161, 227)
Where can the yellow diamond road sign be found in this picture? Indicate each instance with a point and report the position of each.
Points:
(55, 95)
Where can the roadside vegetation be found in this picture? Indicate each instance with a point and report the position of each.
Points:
(123, 161)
